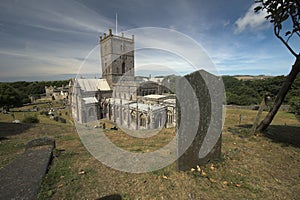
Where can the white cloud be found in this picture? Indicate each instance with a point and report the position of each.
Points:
(252, 20)
(64, 16)
(26, 55)
(182, 47)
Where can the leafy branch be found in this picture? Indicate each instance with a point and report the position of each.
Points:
(280, 12)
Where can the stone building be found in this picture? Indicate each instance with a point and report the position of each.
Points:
(129, 101)
(57, 93)
(86, 94)
(148, 112)
(117, 58)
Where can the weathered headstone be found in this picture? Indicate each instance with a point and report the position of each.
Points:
(200, 98)
(40, 142)
(21, 179)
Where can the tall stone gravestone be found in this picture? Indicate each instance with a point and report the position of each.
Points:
(200, 98)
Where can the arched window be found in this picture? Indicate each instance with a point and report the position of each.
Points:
(142, 120)
(91, 112)
(123, 68)
(132, 116)
(170, 117)
(158, 120)
(83, 117)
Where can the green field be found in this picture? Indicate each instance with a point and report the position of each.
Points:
(252, 166)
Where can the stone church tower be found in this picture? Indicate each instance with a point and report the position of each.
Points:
(117, 58)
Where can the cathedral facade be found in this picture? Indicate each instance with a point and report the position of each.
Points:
(128, 101)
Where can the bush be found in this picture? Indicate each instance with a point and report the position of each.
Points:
(59, 119)
(31, 119)
(44, 113)
(56, 118)
(62, 120)
(294, 103)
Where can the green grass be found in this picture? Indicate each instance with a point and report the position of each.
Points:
(252, 167)
(60, 170)
(9, 150)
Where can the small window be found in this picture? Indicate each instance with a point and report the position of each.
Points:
(123, 68)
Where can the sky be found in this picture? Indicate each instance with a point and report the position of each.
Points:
(52, 40)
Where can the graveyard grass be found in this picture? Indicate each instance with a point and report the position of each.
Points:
(252, 166)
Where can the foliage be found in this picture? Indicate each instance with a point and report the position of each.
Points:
(239, 93)
(10, 96)
(36, 88)
(251, 92)
(31, 119)
(17, 93)
(60, 119)
(44, 113)
(295, 105)
(285, 16)
(295, 89)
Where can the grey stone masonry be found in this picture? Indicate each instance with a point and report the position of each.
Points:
(21, 179)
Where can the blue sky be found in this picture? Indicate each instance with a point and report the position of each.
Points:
(49, 39)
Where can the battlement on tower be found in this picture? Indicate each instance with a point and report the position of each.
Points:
(122, 37)
(117, 57)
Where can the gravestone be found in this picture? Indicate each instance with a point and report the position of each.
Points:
(21, 179)
(200, 98)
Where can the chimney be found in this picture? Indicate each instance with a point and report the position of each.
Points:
(110, 32)
(132, 37)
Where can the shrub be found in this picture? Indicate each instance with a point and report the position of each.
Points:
(55, 118)
(62, 120)
(294, 103)
(44, 113)
(31, 119)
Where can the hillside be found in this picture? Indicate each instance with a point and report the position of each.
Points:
(252, 167)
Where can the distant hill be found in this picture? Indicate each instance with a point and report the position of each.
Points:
(250, 77)
(18, 93)
(249, 90)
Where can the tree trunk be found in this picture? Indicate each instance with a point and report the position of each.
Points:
(280, 96)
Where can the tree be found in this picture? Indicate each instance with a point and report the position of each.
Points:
(295, 105)
(284, 15)
(9, 96)
(238, 93)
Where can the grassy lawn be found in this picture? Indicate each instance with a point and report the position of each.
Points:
(252, 167)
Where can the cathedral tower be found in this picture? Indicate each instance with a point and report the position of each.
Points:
(117, 57)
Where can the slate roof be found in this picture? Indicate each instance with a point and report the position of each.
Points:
(144, 107)
(90, 85)
(89, 100)
(154, 96)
